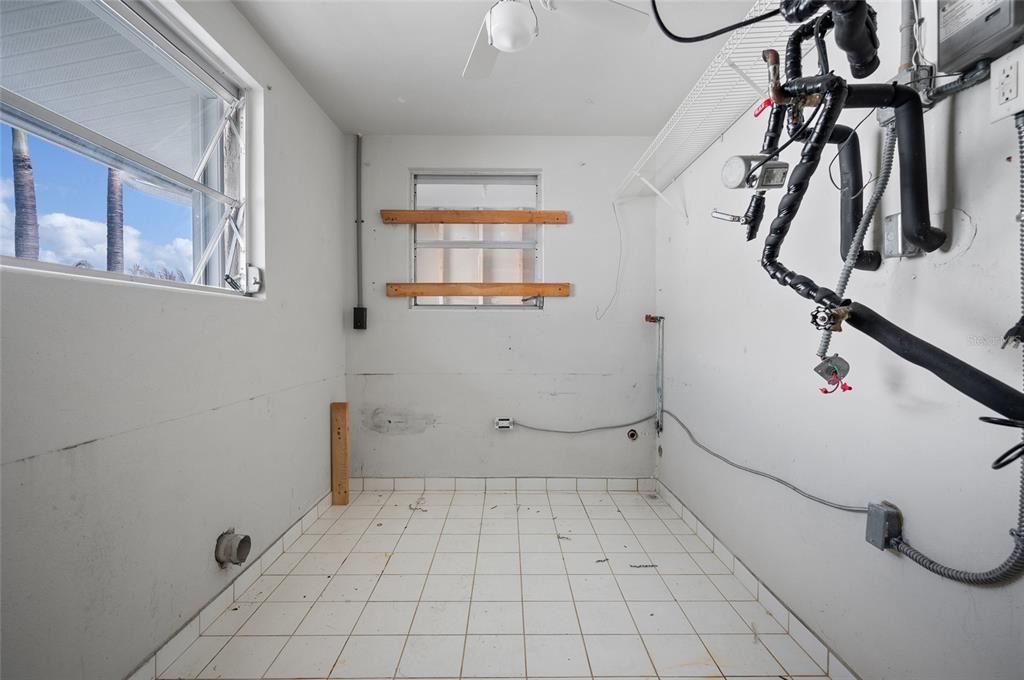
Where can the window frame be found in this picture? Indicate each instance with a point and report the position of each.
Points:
(462, 173)
(170, 39)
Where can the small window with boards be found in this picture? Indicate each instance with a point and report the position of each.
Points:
(477, 241)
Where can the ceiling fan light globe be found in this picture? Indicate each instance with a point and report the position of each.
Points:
(512, 26)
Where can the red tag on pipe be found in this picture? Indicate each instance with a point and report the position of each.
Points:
(766, 104)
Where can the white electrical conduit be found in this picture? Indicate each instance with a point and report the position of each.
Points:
(706, 449)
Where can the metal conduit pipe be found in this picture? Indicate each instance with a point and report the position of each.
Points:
(359, 319)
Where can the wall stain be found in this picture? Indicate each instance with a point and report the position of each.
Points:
(398, 421)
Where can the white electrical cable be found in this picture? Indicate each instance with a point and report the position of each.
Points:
(599, 313)
(585, 430)
(919, 36)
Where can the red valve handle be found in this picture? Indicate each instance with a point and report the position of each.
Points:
(766, 104)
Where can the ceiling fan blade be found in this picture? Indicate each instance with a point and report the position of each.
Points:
(482, 57)
(607, 14)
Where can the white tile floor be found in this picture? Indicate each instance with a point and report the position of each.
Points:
(497, 585)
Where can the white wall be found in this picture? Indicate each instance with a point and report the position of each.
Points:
(139, 422)
(441, 376)
(739, 359)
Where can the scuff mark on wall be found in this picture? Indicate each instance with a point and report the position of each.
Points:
(398, 421)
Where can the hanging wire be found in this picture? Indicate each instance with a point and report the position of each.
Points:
(713, 34)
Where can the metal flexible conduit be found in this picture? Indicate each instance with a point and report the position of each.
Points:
(888, 153)
(1013, 567)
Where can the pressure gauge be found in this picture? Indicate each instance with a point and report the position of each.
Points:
(772, 175)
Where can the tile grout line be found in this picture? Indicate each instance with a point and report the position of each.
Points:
(419, 599)
(522, 585)
(758, 582)
(650, 657)
(338, 573)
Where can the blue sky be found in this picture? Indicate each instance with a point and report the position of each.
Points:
(71, 203)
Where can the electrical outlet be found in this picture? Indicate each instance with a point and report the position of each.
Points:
(503, 423)
(1007, 94)
(1006, 87)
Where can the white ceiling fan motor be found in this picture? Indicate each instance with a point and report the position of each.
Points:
(511, 25)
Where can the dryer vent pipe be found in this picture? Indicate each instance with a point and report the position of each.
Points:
(232, 548)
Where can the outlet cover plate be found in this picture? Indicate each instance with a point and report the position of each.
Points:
(1006, 91)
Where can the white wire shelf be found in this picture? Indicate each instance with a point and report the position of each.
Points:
(732, 83)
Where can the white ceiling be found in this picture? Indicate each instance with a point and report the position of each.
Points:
(394, 66)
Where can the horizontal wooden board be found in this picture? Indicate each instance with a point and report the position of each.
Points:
(474, 216)
(482, 289)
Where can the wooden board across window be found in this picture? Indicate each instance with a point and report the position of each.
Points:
(474, 216)
(478, 289)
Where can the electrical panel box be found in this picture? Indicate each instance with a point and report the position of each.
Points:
(885, 523)
(971, 30)
(1007, 94)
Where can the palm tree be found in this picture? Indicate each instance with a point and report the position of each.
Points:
(26, 224)
(115, 221)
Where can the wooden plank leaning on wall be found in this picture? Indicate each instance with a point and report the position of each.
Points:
(339, 453)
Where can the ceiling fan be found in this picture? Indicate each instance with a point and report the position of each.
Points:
(511, 25)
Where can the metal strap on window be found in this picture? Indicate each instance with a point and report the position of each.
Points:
(224, 124)
(19, 112)
(231, 215)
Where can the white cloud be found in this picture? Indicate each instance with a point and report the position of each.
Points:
(66, 239)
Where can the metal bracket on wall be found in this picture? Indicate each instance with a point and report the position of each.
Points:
(893, 242)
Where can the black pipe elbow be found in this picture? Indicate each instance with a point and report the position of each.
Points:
(906, 103)
(856, 32)
(851, 198)
(796, 11)
(856, 29)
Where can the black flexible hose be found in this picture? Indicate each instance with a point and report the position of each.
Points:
(794, 49)
(769, 147)
(832, 90)
(706, 36)
(961, 376)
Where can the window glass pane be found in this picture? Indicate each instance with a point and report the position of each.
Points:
(71, 211)
(80, 61)
(472, 196)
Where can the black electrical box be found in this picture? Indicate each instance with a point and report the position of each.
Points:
(359, 318)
